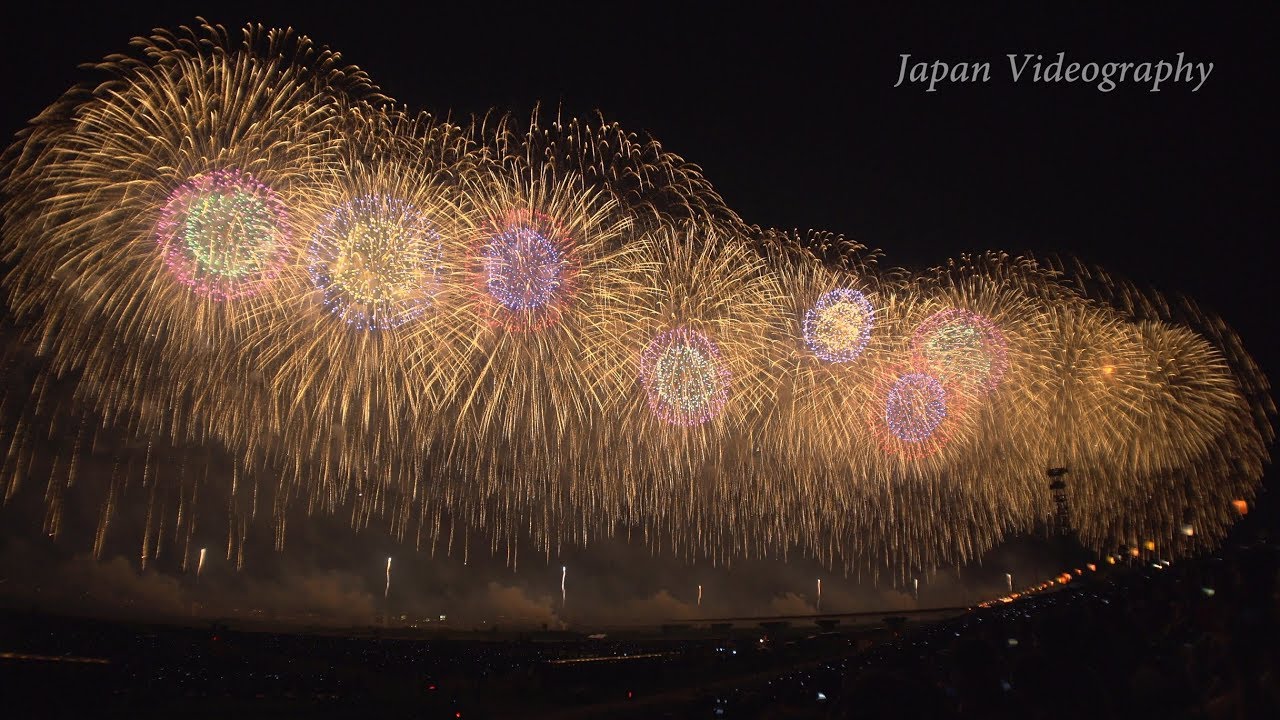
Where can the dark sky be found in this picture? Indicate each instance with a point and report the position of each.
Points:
(794, 118)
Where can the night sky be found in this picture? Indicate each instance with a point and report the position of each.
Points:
(796, 121)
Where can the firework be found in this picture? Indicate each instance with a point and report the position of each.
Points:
(525, 268)
(688, 361)
(1193, 436)
(380, 278)
(916, 404)
(541, 250)
(838, 326)
(915, 414)
(686, 378)
(224, 234)
(376, 259)
(235, 258)
(813, 458)
(961, 347)
(146, 219)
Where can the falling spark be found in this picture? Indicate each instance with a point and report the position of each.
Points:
(699, 596)
(387, 591)
(1009, 579)
(200, 563)
(564, 570)
(818, 605)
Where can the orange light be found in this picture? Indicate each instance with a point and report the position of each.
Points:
(1092, 567)
(1111, 559)
(1241, 506)
(1150, 544)
(1133, 552)
(1108, 370)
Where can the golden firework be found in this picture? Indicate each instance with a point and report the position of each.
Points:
(236, 254)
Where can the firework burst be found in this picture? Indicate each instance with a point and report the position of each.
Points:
(684, 376)
(224, 234)
(542, 250)
(688, 361)
(147, 216)
(962, 347)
